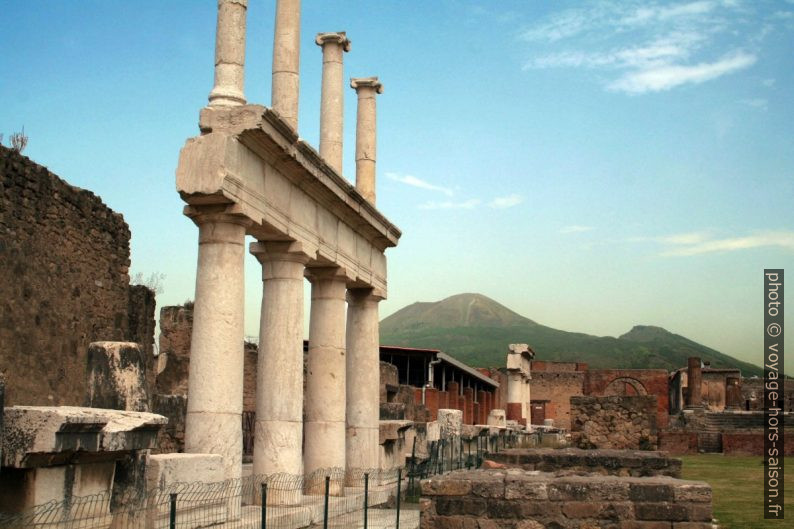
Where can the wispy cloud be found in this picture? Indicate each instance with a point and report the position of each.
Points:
(418, 182)
(576, 228)
(769, 83)
(465, 204)
(697, 243)
(506, 202)
(643, 47)
(756, 102)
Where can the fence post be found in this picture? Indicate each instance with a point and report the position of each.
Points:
(325, 501)
(399, 483)
(264, 505)
(366, 497)
(172, 514)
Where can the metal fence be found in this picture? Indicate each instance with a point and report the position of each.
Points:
(328, 498)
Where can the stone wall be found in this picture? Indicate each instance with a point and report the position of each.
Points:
(176, 326)
(518, 499)
(636, 463)
(604, 382)
(64, 283)
(753, 394)
(620, 422)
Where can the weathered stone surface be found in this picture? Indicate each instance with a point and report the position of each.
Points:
(392, 430)
(116, 377)
(164, 470)
(622, 422)
(451, 422)
(64, 282)
(39, 435)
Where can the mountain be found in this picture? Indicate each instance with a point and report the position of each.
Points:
(476, 330)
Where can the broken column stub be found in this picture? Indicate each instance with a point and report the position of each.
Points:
(229, 54)
(286, 61)
(116, 377)
(332, 98)
(366, 134)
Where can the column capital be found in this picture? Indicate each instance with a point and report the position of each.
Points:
(225, 213)
(293, 251)
(360, 83)
(331, 273)
(338, 37)
(364, 295)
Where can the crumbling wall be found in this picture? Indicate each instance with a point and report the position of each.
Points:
(557, 387)
(622, 422)
(603, 382)
(517, 499)
(64, 283)
(176, 326)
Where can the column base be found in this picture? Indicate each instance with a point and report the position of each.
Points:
(216, 433)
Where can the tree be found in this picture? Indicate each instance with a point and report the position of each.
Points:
(19, 141)
(154, 282)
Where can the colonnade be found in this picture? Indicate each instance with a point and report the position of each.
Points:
(335, 424)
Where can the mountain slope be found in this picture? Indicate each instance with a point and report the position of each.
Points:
(477, 329)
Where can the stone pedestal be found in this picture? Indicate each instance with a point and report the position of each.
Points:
(286, 61)
(366, 138)
(332, 102)
(326, 383)
(363, 363)
(278, 434)
(229, 54)
(116, 377)
(215, 384)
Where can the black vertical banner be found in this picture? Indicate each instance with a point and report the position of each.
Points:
(774, 385)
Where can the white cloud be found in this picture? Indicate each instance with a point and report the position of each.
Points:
(667, 76)
(418, 182)
(564, 25)
(465, 204)
(698, 243)
(757, 102)
(576, 228)
(506, 202)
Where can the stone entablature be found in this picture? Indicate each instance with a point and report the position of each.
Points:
(532, 500)
(248, 159)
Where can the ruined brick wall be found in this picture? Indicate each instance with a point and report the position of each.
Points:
(751, 443)
(64, 283)
(753, 394)
(557, 387)
(516, 499)
(614, 422)
(176, 326)
(678, 443)
(603, 382)
(140, 315)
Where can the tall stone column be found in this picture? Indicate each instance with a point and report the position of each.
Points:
(366, 138)
(325, 382)
(215, 377)
(694, 397)
(286, 61)
(229, 54)
(278, 437)
(332, 103)
(363, 383)
(514, 396)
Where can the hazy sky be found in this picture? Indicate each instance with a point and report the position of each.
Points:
(591, 165)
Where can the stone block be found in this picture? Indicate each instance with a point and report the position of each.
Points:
(164, 470)
(692, 491)
(446, 487)
(497, 418)
(116, 377)
(583, 488)
(650, 492)
(450, 422)
(524, 485)
(391, 431)
(446, 505)
(661, 511)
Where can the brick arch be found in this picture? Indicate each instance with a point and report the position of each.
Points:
(620, 385)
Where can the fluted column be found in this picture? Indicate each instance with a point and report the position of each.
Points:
(325, 382)
(215, 383)
(332, 103)
(229, 54)
(363, 382)
(286, 61)
(279, 380)
(366, 138)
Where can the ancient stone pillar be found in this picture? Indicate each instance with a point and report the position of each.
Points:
(215, 377)
(286, 61)
(468, 406)
(694, 398)
(332, 103)
(482, 411)
(454, 396)
(326, 382)
(515, 394)
(229, 54)
(278, 434)
(363, 366)
(366, 88)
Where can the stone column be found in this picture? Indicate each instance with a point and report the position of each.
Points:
(229, 54)
(286, 61)
(366, 88)
(468, 406)
(694, 397)
(363, 390)
(215, 381)
(733, 393)
(514, 396)
(332, 103)
(454, 396)
(482, 414)
(325, 383)
(278, 437)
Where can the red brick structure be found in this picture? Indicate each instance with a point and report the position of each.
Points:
(630, 382)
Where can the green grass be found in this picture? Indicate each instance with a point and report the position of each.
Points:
(738, 488)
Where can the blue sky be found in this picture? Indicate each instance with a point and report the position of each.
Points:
(591, 165)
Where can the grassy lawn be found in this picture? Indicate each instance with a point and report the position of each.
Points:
(738, 489)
